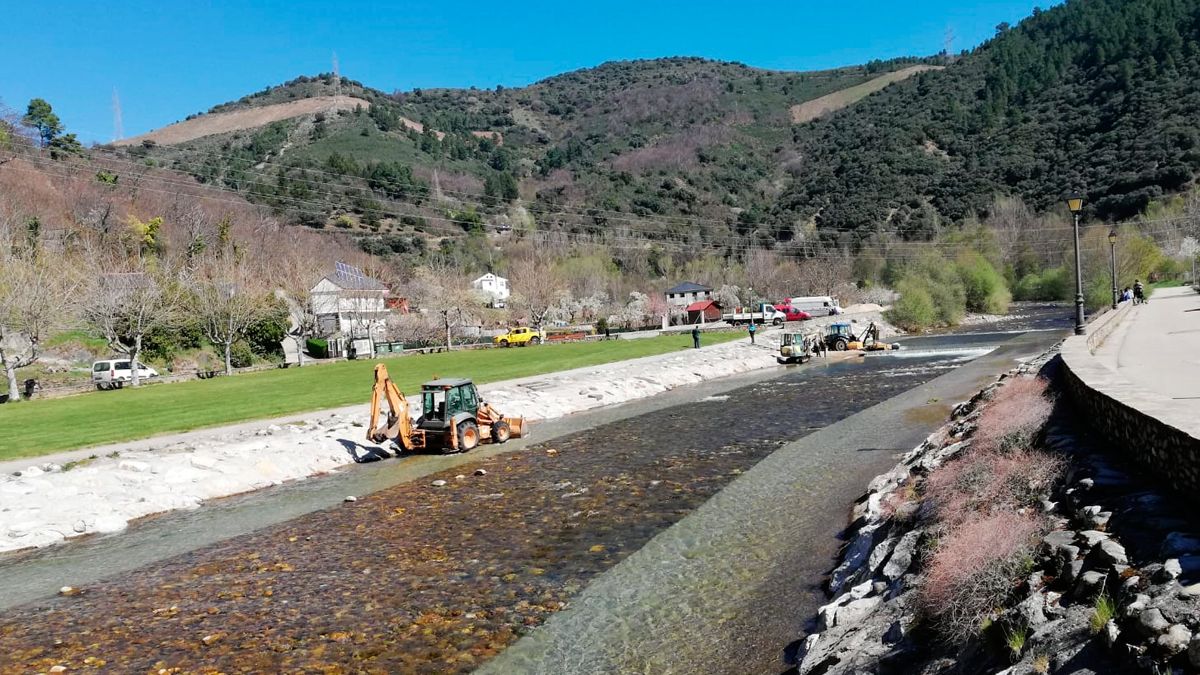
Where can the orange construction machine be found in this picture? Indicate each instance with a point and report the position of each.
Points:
(454, 418)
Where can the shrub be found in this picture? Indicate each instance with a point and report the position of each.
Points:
(1051, 284)
(914, 309)
(973, 569)
(985, 288)
(240, 354)
(1015, 415)
(988, 481)
(317, 348)
(265, 336)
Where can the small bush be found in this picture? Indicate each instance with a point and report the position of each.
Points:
(1015, 415)
(989, 481)
(914, 308)
(972, 571)
(985, 288)
(317, 348)
(1102, 612)
(1015, 640)
(240, 354)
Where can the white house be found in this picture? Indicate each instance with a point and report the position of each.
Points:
(687, 293)
(494, 288)
(350, 305)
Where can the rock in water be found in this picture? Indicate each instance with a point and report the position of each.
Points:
(350, 498)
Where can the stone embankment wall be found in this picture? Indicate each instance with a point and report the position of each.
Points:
(1148, 429)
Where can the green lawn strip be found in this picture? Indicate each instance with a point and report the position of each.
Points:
(43, 426)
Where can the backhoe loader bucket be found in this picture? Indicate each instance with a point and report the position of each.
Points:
(516, 427)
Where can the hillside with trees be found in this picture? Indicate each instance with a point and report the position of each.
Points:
(1098, 96)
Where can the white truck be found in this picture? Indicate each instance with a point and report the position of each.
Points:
(765, 313)
(816, 305)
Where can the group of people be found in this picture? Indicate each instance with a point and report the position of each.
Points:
(1137, 294)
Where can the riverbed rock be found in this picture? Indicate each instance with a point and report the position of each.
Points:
(1175, 640)
(1151, 623)
(1178, 544)
(1091, 538)
(902, 555)
(1171, 569)
(1109, 553)
(438, 483)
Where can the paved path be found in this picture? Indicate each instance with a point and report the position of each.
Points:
(1157, 346)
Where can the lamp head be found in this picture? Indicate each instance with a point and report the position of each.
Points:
(1112, 236)
(1075, 203)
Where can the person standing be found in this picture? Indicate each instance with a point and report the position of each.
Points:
(695, 337)
(753, 329)
(1139, 292)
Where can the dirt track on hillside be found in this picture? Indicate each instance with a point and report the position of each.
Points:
(249, 118)
(818, 107)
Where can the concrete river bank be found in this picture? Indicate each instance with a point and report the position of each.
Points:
(590, 529)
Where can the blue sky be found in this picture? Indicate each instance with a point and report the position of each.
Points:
(170, 58)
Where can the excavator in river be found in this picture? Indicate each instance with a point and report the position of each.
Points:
(453, 419)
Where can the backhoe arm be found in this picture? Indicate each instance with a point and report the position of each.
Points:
(399, 424)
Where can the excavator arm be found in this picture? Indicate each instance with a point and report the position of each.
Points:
(399, 425)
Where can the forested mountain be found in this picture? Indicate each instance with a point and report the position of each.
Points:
(1102, 96)
(586, 151)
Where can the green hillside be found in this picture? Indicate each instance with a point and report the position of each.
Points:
(1095, 95)
(640, 139)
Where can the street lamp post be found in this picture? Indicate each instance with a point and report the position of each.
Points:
(1075, 204)
(1112, 250)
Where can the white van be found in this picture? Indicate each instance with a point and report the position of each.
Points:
(114, 373)
(816, 305)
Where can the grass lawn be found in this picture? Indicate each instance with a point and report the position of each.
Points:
(38, 427)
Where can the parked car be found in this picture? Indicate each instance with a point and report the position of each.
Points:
(114, 373)
(816, 305)
(520, 337)
(792, 314)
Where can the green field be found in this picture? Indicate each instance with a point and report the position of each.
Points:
(42, 426)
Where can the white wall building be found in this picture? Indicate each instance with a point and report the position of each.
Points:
(350, 306)
(687, 293)
(494, 288)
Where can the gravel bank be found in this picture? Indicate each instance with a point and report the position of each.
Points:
(44, 504)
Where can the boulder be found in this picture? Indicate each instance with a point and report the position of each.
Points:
(1090, 584)
(1151, 623)
(1194, 651)
(1175, 640)
(1172, 569)
(1090, 538)
(902, 556)
(1030, 611)
(1109, 553)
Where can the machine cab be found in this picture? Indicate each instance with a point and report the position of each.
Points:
(842, 329)
(444, 402)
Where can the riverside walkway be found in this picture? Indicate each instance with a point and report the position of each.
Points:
(1157, 345)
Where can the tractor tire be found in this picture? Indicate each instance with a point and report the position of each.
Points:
(841, 345)
(501, 432)
(468, 436)
(504, 343)
(535, 340)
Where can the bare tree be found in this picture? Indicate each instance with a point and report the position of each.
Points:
(295, 272)
(123, 306)
(228, 297)
(35, 298)
(537, 287)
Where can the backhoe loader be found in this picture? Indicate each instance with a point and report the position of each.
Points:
(454, 418)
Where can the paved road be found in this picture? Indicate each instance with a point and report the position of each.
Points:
(1157, 346)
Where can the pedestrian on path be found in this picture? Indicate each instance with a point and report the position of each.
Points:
(695, 337)
(1139, 292)
(753, 329)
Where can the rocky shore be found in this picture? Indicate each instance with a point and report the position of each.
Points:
(1109, 588)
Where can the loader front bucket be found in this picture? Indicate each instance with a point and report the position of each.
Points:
(517, 427)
